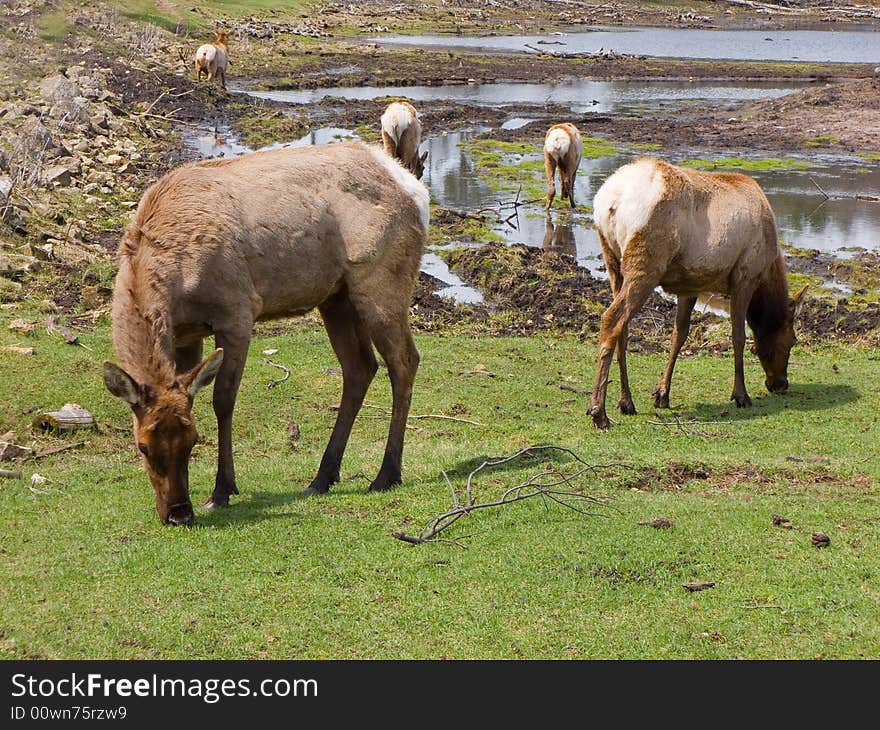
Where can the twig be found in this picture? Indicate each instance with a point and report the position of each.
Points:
(534, 486)
(7, 474)
(427, 415)
(58, 449)
(819, 188)
(278, 365)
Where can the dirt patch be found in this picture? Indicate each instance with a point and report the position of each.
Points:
(841, 117)
(531, 290)
(813, 480)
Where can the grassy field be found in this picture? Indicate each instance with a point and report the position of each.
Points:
(87, 571)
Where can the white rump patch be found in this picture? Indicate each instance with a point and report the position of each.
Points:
(625, 202)
(407, 182)
(557, 143)
(396, 120)
(206, 52)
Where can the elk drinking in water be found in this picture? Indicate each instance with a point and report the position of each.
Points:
(562, 151)
(402, 135)
(215, 246)
(691, 232)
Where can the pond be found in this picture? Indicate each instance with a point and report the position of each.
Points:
(580, 95)
(843, 46)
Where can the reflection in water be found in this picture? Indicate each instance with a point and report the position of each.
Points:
(559, 237)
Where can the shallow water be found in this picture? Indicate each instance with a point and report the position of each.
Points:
(849, 46)
(804, 217)
(580, 95)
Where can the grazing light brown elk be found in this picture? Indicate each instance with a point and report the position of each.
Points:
(691, 232)
(402, 135)
(215, 246)
(562, 150)
(212, 58)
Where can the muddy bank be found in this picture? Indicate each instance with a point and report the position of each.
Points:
(529, 290)
(363, 64)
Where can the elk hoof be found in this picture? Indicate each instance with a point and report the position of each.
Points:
(626, 407)
(600, 418)
(661, 399)
(216, 501)
(321, 484)
(383, 483)
(742, 400)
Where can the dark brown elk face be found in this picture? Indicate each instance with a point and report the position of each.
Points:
(164, 431)
(774, 348)
(419, 165)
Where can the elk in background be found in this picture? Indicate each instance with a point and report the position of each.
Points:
(212, 58)
(562, 151)
(402, 135)
(217, 245)
(691, 232)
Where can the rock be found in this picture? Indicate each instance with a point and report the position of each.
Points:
(5, 187)
(81, 146)
(15, 266)
(72, 113)
(9, 451)
(42, 252)
(113, 159)
(56, 175)
(38, 139)
(58, 88)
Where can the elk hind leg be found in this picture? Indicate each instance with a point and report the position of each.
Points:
(683, 310)
(390, 332)
(353, 349)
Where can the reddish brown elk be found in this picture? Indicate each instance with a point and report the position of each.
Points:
(215, 246)
(562, 151)
(691, 232)
(402, 135)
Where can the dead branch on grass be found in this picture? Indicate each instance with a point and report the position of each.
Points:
(547, 483)
(280, 380)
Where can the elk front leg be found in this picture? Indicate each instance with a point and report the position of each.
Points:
(683, 310)
(354, 351)
(225, 391)
(739, 302)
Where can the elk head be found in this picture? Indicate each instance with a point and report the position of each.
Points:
(773, 348)
(164, 431)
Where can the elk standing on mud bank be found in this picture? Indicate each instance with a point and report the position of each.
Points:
(402, 135)
(217, 245)
(212, 58)
(691, 232)
(562, 150)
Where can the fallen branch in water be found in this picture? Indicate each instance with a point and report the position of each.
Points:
(534, 486)
(280, 380)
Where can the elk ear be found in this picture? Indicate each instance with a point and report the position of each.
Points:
(203, 373)
(121, 384)
(423, 157)
(797, 301)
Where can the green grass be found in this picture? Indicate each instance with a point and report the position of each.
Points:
(52, 26)
(147, 11)
(823, 140)
(87, 571)
(768, 164)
